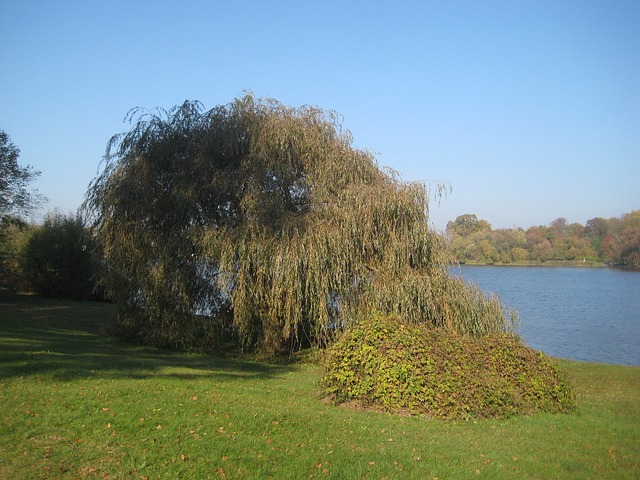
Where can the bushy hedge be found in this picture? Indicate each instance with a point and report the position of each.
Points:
(386, 364)
(56, 260)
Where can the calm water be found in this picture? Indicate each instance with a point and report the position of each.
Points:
(590, 314)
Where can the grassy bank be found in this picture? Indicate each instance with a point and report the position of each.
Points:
(77, 404)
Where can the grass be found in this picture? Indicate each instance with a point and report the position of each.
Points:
(77, 404)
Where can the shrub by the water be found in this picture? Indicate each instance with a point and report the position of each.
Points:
(386, 364)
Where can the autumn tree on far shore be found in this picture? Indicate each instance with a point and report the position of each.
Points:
(615, 241)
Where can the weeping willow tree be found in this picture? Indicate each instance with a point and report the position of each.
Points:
(263, 221)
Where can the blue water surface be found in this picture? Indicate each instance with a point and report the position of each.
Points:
(589, 314)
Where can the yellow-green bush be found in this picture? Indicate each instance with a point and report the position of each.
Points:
(387, 364)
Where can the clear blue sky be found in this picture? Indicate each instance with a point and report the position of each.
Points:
(529, 110)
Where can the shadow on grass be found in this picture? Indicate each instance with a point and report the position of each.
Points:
(62, 339)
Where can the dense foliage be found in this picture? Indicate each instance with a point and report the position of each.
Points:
(16, 201)
(386, 364)
(614, 241)
(14, 234)
(263, 221)
(15, 198)
(56, 259)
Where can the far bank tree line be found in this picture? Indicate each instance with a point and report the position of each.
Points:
(612, 241)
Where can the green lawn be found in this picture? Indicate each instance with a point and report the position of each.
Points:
(78, 404)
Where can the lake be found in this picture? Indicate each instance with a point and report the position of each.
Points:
(589, 314)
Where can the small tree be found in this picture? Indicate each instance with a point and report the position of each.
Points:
(14, 233)
(57, 258)
(15, 198)
(15, 201)
(623, 245)
(596, 230)
(265, 216)
(466, 225)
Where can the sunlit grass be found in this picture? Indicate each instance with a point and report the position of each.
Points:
(77, 404)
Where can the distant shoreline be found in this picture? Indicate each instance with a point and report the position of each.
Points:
(549, 263)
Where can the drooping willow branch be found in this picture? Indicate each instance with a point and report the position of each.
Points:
(263, 220)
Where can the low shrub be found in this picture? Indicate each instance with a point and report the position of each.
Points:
(389, 365)
(56, 260)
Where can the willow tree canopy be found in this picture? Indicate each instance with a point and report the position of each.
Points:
(264, 221)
